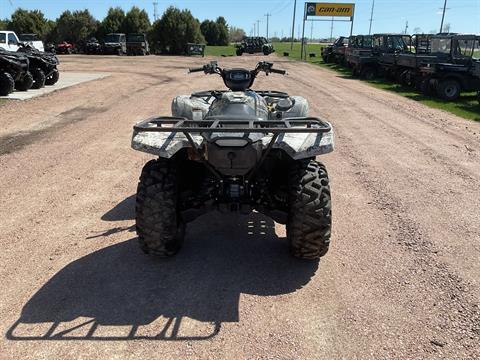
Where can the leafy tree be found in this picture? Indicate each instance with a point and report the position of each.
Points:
(29, 22)
(113, 22)
(209, 32)
(171, 33)
(222, 29)
(75, 27)
(215, 32)
(236, 34)
(3, 24)
(136, 21)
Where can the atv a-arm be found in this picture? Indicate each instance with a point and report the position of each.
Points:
(217, 125)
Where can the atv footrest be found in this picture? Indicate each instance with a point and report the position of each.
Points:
(229, 125)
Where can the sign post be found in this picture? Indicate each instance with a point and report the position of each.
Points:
(326, 9)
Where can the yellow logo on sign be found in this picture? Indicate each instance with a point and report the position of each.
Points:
(334, 9)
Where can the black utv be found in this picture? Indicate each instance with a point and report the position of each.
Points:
(453, 66)
(137, 44)
(14, 72)
(42, 66)
(335, 52)
(254, 45)
(93, 47)
(115, 44)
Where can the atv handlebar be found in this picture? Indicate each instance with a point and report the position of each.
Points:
(192, 70)
(277, 71)
(241, 82)
(213, 68)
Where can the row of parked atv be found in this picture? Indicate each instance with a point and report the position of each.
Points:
(27, 68)
(444, 64)
(112, 44)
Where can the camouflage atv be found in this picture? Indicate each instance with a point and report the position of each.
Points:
(42, 65)
(14, 72)
(254, 45)
(238, 150)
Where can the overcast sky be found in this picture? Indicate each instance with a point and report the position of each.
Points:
(389, 15)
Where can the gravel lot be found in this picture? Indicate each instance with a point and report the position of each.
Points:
(402, 278)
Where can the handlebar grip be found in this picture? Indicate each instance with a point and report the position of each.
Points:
(277, 71)
(192, 70)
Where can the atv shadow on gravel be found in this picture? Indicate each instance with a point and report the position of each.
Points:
(117, 293)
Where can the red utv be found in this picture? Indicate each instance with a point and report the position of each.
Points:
(65, 48)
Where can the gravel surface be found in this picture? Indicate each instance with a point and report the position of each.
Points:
(402, 278)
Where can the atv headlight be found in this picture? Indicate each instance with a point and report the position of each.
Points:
(231, 142)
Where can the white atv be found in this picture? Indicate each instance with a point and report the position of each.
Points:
(235, 151)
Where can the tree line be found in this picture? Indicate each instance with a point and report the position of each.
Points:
(169, 34)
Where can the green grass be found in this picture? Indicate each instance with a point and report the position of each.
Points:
(467, 106)
(220, 50)
(279, 48)
(294, 53)
(3, 102)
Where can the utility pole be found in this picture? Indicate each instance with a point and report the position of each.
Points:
(371, 18)
(406, 27)
(331, 30)
(443, 15)
(254, 29)
(293, 25)
(258, 27)
(303, 33)
(311, 32)
(268, 16)
(155, 10)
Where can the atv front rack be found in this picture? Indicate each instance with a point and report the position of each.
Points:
(233, 125)
(227, 124)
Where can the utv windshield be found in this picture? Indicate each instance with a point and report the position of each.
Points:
(366, 42)
(136, 38)
(112, 38)
(467, 47)
(476, 50)
(440, 45)
(397, 43)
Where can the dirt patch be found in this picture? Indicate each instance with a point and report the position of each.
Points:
(17, 141)
(401, 279)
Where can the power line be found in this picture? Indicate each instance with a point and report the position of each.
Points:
(281, 9)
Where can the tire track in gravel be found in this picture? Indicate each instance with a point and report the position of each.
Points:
(467, 174)
(12, 142)
(456, 300)
(462, 325)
